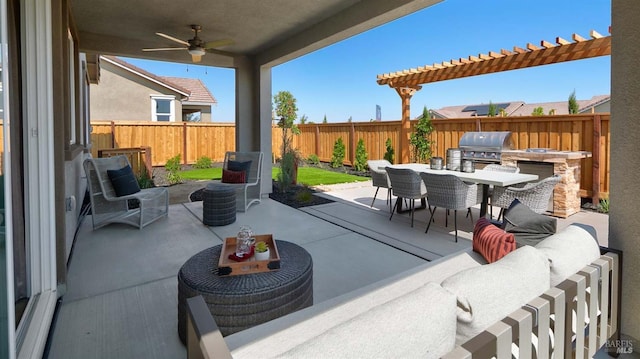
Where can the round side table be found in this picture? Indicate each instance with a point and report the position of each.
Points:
(218, 204)
(242, 301)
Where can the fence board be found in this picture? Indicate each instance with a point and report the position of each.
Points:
(559, 132)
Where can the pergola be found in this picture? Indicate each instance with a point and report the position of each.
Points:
(407, 82)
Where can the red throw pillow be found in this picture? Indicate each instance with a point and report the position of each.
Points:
(492, 242)
(233, 176)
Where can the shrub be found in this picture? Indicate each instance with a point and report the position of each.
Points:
(419, 140)
(203, 162)
(304, 195)
(604, 205)
(361, 157)
(390, 153)
(144, 181)
(338, 153)
(173, 167)
(313, 159)
(287, 170)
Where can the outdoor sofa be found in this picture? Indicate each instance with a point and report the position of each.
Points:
(559, 298)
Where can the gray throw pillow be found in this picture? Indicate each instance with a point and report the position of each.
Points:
(527, 226)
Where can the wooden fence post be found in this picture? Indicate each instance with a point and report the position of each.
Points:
(595, 159)
(318, 141)
(184, 143)
(113, 134)
(352, 144)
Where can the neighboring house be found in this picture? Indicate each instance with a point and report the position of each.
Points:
(600, 103)
(128, 93)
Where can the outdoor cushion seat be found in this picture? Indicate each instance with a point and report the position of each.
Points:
(107, 207)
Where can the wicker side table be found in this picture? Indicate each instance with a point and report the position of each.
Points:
(218, 205)
(240, 302)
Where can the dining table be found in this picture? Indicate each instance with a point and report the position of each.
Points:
(479, 176)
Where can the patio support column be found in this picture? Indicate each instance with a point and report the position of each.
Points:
(253, 112)
(405, 130)
(624, 222)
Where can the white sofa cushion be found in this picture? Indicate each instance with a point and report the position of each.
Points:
(489, 293)
(569, 251)
(419, 324)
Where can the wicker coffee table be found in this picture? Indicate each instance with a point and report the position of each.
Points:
(243, 301)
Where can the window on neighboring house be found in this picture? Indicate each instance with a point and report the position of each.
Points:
(162, 108)
(193, 117)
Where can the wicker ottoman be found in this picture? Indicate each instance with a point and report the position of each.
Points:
(218, 205)
(240, 302)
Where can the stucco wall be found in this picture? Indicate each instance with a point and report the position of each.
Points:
(624, 221)
(123, 96)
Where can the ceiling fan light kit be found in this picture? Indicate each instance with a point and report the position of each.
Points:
(195, 46)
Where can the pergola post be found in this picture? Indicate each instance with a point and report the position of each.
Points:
(405, 130)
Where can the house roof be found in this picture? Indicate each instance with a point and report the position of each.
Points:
(145, 74)
(518, 108)
(193, 90)
(198, 92)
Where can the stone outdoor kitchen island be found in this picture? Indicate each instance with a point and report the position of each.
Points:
(566, 164)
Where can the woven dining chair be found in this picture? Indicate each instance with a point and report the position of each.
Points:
(534, 195)
(498, 168)
(450, 192)
(406, 184)
(380, 178)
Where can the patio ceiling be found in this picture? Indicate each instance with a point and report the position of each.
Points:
(532, 55)
(271, 32)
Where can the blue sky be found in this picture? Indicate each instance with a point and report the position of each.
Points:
(340, 81)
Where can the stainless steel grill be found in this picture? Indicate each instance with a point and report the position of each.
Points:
(484, 147)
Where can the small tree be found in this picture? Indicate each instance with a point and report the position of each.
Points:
(390, 152)
(361, 157)
(419, 140)
(493, 110)
(338, 153)
(325, 119)
(538, 111)
(173, 170)
(286, 109)
(304, 119)
(573, 103)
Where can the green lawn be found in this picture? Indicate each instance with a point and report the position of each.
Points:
(310, 176)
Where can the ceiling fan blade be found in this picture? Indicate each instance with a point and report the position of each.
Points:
(217, 43)
(172, 38)
(220, 52)
(196, 58)
(166, 49)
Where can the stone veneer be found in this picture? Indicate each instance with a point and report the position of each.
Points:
(566, 164)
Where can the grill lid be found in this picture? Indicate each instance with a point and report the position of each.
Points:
(486, 141)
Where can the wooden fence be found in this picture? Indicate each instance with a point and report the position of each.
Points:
(584, 132)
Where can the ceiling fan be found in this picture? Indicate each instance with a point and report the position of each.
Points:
(196, 46)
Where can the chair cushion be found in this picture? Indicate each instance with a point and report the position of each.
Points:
(488, 293)
(418, 324)
(229, 176)
(528, 227)
(239, 166)
(123, 181)
(569, 251)
(492, 242)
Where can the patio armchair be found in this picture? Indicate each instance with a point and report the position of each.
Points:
(450, 192)
(248, 192)
(107, 207)
(498, 168)
(533, 195)
(406, 184)
(380, 178)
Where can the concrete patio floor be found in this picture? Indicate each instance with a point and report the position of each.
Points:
(121, 298)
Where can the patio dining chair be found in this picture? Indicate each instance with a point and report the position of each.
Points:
(534, 195)
(406, 184)
(107, 207)
(380, 178)
(452, 193)
(498, 168)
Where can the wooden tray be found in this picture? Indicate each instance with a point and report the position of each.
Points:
(229, 267)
